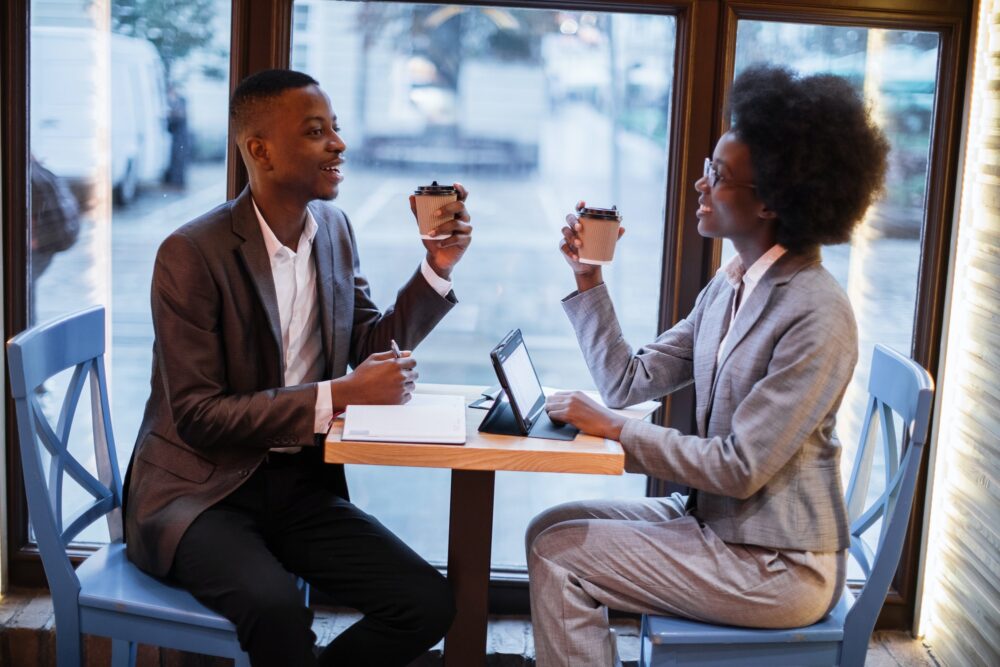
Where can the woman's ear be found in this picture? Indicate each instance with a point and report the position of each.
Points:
(765, 213)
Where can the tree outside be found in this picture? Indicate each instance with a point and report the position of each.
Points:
(174, 27)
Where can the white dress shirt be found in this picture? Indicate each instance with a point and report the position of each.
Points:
(738, 277)
(294, 275)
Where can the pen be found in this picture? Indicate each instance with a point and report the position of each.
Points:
(395, 348)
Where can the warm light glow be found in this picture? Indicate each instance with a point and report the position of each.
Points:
(951, 443)
(569, 27)
(98, 273)
(869, 306)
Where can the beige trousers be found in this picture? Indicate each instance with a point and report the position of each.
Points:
(647, 556)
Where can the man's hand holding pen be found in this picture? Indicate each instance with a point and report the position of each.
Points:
(384, 378)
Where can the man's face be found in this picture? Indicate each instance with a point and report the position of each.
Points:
(303, 149)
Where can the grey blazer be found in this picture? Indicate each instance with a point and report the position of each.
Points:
(218, 402)
(765, 461)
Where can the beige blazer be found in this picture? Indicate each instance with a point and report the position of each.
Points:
(765, 461)
(217, 398)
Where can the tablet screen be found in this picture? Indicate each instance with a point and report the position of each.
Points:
(519, 376)
(523, 381)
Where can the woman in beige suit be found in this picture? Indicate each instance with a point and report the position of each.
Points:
(770, 346)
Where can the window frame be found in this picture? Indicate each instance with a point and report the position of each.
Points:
(704, 62)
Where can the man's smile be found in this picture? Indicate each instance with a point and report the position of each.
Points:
(332, 170)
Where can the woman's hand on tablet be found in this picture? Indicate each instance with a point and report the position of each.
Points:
(583, 412)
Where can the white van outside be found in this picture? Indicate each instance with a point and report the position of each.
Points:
(66, 85)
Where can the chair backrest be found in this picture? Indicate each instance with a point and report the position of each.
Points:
(901, 387)
(35, 355)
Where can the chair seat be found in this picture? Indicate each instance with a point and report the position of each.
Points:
(674, 631)
(109, 581)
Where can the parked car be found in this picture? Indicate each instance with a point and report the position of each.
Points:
(490, 121)
(73, 119)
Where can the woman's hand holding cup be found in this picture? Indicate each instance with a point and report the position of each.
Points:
(587, 275)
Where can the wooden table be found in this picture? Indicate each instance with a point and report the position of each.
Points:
(474, 467)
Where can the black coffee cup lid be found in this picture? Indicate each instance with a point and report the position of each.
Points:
(435, 189)
(600, 213)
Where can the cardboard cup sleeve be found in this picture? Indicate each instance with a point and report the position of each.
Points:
(599, 238)
(426, 205)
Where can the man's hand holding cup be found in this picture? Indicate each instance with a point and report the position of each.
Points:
(444, 225)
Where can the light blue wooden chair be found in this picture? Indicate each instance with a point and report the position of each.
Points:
(106, 595)
(896, 385)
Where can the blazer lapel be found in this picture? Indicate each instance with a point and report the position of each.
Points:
(747, 316)
(749, 313)
(325, 260)
(713, 327)
(258, 264)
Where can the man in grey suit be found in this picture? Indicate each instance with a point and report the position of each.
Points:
(259, 308)
(770, 346)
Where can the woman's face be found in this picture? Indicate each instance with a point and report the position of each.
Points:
(730, 208)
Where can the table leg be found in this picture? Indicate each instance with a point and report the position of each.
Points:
(470, 536)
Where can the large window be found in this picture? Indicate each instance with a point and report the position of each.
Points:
(532, 111)
(128, 134)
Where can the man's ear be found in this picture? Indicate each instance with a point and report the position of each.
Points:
(766, 214)
(255, 150)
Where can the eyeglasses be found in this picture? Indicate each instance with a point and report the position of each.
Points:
(714, 177)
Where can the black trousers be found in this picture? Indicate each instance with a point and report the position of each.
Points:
(241, 558)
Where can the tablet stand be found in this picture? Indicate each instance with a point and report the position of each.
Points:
(500, 421)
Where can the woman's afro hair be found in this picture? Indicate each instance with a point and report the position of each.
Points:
(819, 160)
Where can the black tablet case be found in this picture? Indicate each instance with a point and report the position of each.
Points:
(500, 420)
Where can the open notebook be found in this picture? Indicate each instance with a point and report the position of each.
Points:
(434, 418)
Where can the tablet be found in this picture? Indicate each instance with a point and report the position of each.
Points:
(526, 400)
(518, 378)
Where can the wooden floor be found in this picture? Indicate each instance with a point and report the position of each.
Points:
(889, 649)
(26, 638)
(510, 644)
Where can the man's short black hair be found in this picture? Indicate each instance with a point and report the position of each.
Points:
(259, 87)
(819, 160)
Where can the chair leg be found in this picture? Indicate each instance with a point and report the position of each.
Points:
(122, 653)
(69, 641)
(643, 649)
(614, 646)
(854, 651)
